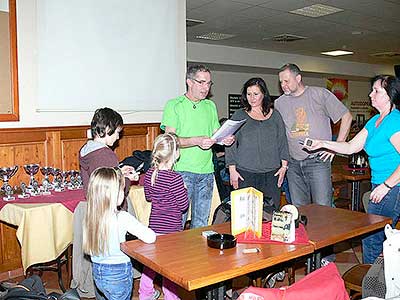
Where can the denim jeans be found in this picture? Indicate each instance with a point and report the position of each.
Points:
(388, 207)
(285, 188)
(200, 191)
(114, 280)
(310, 181)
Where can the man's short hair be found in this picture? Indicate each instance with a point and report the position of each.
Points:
(193, 69)
(105, 121)
(294, 69)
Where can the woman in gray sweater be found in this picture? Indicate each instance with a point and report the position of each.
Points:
(259, 156)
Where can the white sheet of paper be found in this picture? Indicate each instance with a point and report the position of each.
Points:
(227, 129)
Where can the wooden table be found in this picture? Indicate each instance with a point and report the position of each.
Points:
(340, 173)
(328, 226)
(185, 258)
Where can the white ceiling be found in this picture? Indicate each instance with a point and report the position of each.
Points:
(254, 22)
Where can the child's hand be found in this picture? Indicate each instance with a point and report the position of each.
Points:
(129, 172)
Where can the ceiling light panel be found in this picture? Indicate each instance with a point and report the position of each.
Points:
(215, 36)
(337, 53)
(316, 10)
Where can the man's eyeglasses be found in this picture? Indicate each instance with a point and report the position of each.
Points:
(203, 82)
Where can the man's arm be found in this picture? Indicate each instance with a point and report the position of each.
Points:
(345, 123)
(203, 142)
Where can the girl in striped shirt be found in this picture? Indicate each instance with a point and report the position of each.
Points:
(167, 193)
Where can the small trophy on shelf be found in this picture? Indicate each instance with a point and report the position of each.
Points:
(32, 170)
(64, 179)
(6, 173)
(23, 189)
(74, 180)
(46, 184)
(57, 181)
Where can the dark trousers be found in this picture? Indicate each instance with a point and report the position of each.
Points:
(266, 183)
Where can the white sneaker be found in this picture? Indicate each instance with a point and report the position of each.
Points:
(156, 295)
(276, 277)
(324, 262)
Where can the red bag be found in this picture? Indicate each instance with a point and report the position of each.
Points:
(324, 283)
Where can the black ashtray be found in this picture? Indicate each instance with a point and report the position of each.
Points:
(221, 241)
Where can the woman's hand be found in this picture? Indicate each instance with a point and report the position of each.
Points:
(281, 173)
(379, 193)
(311, 144)
(325, 155)
(234, 177)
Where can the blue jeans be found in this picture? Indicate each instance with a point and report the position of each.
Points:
(285, 188)
(310, 181)
(200, 190)
(388, 207)
(114, 280)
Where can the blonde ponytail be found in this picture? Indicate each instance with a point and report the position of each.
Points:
(165, 151)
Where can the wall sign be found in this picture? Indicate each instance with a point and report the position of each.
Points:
(233, 103)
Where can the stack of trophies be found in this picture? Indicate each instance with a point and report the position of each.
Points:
(59, 183)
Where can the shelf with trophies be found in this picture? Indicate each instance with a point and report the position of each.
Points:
(54, 180)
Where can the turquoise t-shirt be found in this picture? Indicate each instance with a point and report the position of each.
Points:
(191, 120)
(383, 156)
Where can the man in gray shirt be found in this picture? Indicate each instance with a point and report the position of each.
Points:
(307, 112)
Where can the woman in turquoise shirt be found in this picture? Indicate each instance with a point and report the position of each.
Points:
(381, 140)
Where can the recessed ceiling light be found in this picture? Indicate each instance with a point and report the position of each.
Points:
(215, 36)
(193, 22)
(286, 37)
(337, 53)
(389, 54)
(316, 10)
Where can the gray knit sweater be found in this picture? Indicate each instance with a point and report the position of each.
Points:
(260, 145)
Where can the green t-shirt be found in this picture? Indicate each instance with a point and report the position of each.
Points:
(190, 121)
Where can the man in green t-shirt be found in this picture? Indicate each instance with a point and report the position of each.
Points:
(194, 119)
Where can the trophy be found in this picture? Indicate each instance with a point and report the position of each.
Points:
(57, 181)
(74, 180)
(31, 169)
(35, 190)
(46, 185)
(6, 173)
(64, 177)
(24, 193)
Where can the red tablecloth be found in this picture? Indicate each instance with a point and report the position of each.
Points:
(301, 237)
(69, 198)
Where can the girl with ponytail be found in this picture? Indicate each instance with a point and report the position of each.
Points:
(168, 195)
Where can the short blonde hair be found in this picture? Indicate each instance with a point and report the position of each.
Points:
(105, 191)
(165, 150)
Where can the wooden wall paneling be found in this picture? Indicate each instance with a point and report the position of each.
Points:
(70, 152)
(31, 153)
(154, 131)
(55, 147)
(71, 141)
(10, 251)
